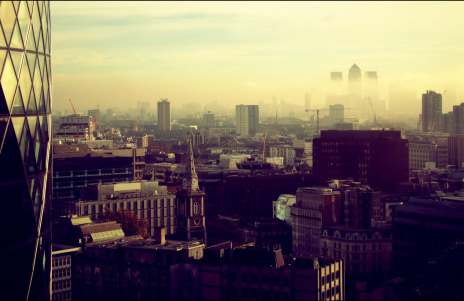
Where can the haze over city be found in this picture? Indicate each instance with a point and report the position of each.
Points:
(118, 53)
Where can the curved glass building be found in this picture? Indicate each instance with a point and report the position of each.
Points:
(25, 162)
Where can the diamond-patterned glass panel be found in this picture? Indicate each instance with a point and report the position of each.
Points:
(2, 37)
(31, 59)
(40, 47)
(32, 105)
(2, 58)
(8, 81)
(36, 22)
(7, 17)
(18, 107)
(37, 83)
(18, 123)
(32, 121)
(16, 40)
(25, 81)
(17, 58)
(3, 124)
(31, 39)
(24, 20)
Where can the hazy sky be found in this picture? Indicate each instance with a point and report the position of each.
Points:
(116, 53)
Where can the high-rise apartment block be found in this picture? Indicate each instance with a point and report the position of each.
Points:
(376, 158)
(25, 162)
(431, 111)
(164, 115)
(247, 120)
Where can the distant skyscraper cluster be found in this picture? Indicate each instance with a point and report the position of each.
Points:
(362, 97)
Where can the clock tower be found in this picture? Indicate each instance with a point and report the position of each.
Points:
(190, 203)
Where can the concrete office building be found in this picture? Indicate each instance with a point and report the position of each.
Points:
(164, 115)
(25, 150)
(315, 207)
(247, 120)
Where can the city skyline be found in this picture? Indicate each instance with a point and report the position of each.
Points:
(248, 52)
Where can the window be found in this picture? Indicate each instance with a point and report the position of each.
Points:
(265, 279)
(244, 277)
(195, 208)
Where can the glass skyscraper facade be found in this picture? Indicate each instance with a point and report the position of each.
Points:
(25, 162)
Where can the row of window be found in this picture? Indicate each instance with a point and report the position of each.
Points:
(61, 261)
(61, 296)
(265, 279)
(354, 247)
(61, 273)
(254, 294)
(61, 285)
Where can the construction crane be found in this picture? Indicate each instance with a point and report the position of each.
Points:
(72, 106)
(373, 112)
(317, 115)
(264, 147)
(74, 110)
(317, 118)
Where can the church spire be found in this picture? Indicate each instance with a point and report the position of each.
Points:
(190, 182)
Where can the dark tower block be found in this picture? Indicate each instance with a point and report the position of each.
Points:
(190, 204)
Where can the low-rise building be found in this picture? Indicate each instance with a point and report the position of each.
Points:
(363, 250)
(146, 199)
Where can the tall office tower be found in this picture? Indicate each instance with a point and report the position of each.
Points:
(431, 111)
(164, 115)
(208, 119)
(371, 88)
(25, 162)
(109, 115)
(457, 123)
(247, 120)
(336, 77)
(456, 150)
(335, 89)
(191, 203)
(377, 158)
(355, 87)
(307, 101)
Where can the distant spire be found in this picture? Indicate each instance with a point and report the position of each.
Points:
(190, 182)
(190, 166)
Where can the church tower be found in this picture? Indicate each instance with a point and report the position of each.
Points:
(190, 203)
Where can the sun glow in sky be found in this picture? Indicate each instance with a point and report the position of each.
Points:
(118, 53)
